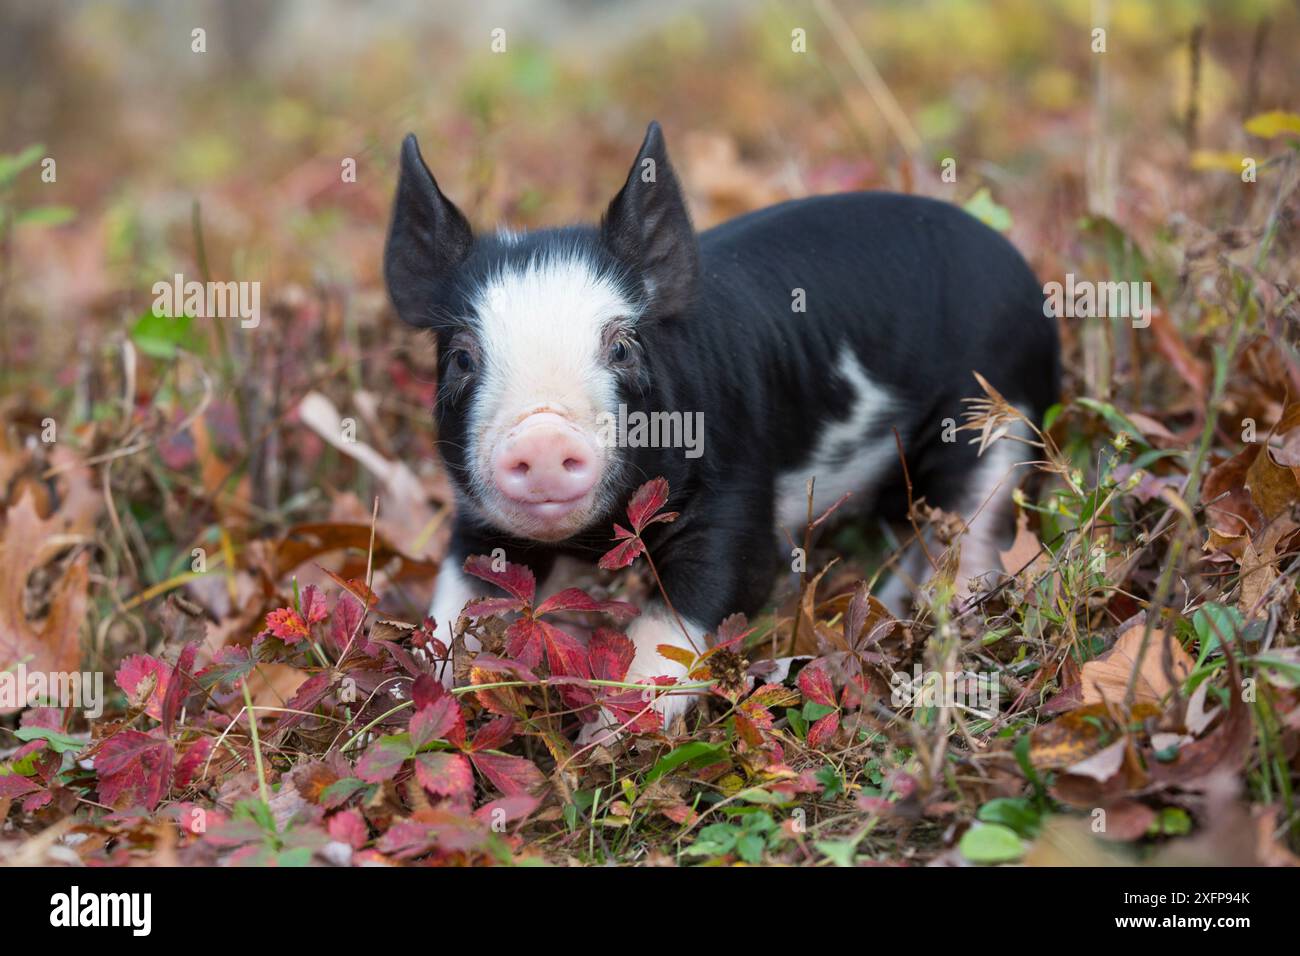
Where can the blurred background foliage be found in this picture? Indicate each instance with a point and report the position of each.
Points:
(227, 164)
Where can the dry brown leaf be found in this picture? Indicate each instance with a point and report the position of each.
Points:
(1272, 487)
(1077, 735)
(1230, 510)
(1165, 666)
(52, 644)
(1026, 552)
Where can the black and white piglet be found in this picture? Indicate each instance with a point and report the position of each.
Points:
(799, 336)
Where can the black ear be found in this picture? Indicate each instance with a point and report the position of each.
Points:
(647, 227)
(427, 240)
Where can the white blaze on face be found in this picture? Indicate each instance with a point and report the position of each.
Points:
(542, 335)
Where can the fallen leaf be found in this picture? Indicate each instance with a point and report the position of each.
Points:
(1164, 668)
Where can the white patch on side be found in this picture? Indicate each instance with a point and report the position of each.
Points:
(508, 236)
(872, 406)
(541, 327)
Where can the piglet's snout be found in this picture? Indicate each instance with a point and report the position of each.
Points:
(545, 459)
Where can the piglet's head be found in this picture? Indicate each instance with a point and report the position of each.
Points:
(541, 337)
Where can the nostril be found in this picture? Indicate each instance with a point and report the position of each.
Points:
(573, 464)
(520, 469)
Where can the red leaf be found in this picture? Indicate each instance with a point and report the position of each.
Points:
(732, 631)
(564, 654)
(524, 639)
(348, 613)
(313, 604)
(383, 759)
(632, 710)
(348, 826)
(820, 733)
(515, 579)
(748, 730)
(494, 735)
(610, 653)
(816, 685)
(353, 586)
(448, 834)
(309, 693)
(576, 599)
(37, 800)
(647, 500)
(134, 769)
(193, 758)
(15, 785)
(230, 665)
(493, 605)
(441, 720)
(622, 554)
(143, 679)
(425, 690)
(507, 809)
(286, 624)
(444, 774)
(510, 775)
(178, 686)
(50, 718)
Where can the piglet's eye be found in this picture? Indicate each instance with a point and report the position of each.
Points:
(464, 361)
(620, 351)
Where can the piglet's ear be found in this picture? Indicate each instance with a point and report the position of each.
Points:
(427, 240)
(647, 227)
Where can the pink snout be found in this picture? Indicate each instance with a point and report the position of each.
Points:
(545, 460)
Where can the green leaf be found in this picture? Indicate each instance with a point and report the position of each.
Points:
(983, 208)
(11, 166)
(1171, 821)
(60, 743)
(296, 857)
(991, 843)
(1017, 813)
(696, 753)
(750, 848)
(715, 840)
(1117, 420)
(1214, 623)
(258, 812)
(759, 795)
(45, 216)
(162, 337)
(831, 781)
(797, 722)
(814, 711)
(839, 852)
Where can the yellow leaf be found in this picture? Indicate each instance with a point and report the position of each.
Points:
(1207, 159)
(1273, 123)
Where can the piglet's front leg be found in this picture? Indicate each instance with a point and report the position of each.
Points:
(701, 569)
(655, 626)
